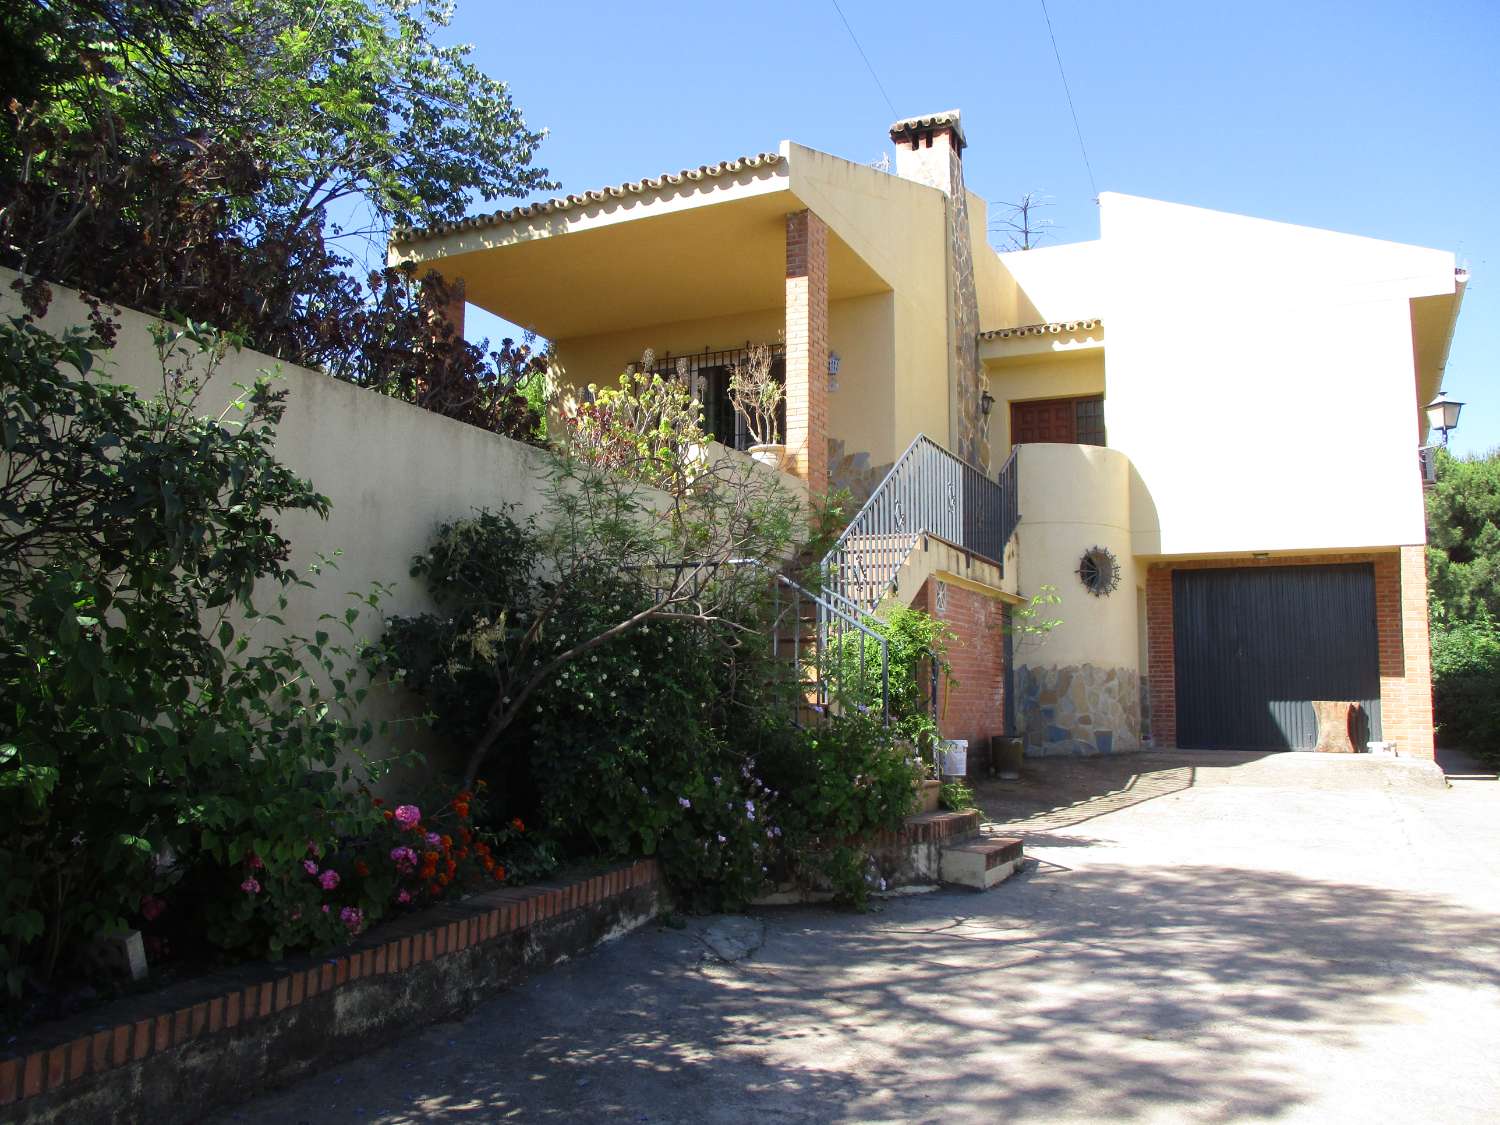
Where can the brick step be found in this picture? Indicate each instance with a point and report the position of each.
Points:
(980, 864)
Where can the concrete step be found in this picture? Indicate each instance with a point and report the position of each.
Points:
(980, 864)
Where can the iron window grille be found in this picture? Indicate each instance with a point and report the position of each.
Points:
(707, 373)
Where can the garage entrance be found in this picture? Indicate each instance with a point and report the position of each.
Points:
(1255, 645)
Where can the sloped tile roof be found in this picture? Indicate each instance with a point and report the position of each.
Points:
(601, 195)
(1052, 328)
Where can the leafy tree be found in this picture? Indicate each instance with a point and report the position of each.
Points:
(221, 161)
(1463, 537)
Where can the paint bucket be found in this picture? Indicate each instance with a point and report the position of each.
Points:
(953, 757)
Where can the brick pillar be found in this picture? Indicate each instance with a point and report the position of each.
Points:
(807, 348)
(1405, 650)
(454, 309)
(1161, 674)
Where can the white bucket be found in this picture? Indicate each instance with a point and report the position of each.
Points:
(953, 757)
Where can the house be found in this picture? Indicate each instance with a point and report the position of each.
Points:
(1202, 429)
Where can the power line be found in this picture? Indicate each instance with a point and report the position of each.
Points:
(1069, 94)
(866, 57)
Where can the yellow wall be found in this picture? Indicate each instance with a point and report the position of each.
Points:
(1044, 376)
(1261, 379)
(860, 329)
(1073, 497)
(899, 228)
(1047, 284)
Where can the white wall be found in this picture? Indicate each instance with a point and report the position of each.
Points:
(1261, 378)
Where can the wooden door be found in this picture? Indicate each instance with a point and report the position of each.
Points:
(1053, 419)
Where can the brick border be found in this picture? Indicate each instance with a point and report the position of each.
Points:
(196, 1012)
(1401, 627)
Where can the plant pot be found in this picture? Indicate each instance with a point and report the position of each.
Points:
(928, 795)
(1007, 754)
(772, 456)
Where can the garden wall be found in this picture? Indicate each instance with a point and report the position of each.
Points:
(392, 471)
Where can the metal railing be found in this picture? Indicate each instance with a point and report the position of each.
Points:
(928, 491)
(836, 659)
(840, 661)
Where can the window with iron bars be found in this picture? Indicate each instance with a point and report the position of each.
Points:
(707, 373)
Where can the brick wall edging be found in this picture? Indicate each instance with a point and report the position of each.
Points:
(197, 1019)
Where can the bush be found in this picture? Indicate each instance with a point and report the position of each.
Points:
(673, 739)
(153, 759)
(1466, 684)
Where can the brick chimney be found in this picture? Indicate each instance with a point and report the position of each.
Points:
(929, 150)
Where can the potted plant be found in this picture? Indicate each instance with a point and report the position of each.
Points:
(756, 397)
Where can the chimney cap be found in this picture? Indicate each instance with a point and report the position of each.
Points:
(948, 119)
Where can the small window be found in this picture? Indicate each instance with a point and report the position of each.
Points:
(1089, 416)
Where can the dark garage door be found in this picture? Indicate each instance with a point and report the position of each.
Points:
(1253, 647)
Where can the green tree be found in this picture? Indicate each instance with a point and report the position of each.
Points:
(1463, 537)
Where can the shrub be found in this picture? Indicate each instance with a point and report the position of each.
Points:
(673, 739)
(835, 787)
(1466, 684)
(648, 428)
(147, 748)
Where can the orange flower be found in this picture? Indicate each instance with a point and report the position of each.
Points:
(389, 815)
(443, 880)
(518, 825)
(430, 857)
(499, 874)
(361, 868)
(447, 843)
(465, 835)
(377, 801)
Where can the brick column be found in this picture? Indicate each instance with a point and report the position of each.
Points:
(453, 309)
(1405, 651)
(807, 348)
(1161, 674)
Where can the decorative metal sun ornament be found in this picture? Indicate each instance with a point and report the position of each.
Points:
(1099, 571)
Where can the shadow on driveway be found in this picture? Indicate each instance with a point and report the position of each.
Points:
(1110, 993)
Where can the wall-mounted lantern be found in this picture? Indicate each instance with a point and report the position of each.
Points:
(1442, 414)
(986, 403)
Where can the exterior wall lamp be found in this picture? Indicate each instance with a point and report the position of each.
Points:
(986, 403)
(1442, 414)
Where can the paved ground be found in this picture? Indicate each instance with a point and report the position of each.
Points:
(1198, 938)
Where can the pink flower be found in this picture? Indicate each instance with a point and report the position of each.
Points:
(403, 896)
(405, 859)
(329, 879)
(255, 862)
(310, 867)
(353, 918)
(325, 908)
(433, 839)
(408, 815)
(251, 886)
(152, 907)
(312, 847)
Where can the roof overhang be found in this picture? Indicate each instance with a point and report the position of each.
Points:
(1029, 342)
(689, 246)
(1433, 320)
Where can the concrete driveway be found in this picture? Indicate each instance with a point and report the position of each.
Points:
(1196, 938)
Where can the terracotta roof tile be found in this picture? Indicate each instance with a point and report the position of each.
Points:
(601, 195)
(1052, 328)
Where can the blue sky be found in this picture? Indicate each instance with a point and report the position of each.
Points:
(1377, 118)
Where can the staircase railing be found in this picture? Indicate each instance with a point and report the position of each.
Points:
(839, 660)
(928, 491)
(835, 657)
